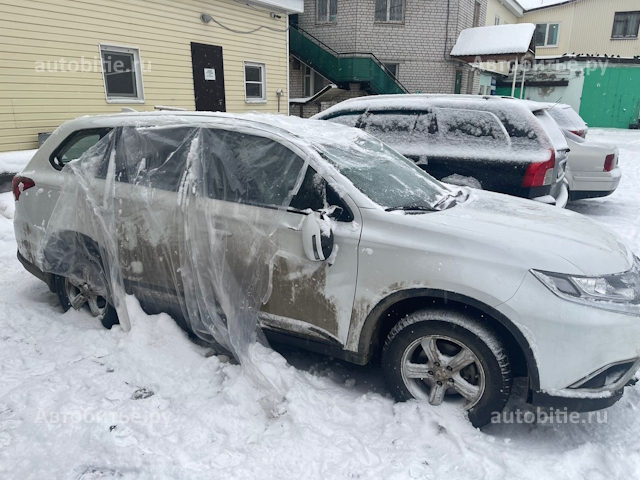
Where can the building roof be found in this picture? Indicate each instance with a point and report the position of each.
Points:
(495, 40)
(514, 6)
(530, 5)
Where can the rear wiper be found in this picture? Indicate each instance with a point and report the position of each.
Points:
(411, 208)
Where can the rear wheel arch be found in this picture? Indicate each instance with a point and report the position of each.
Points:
(392, 309)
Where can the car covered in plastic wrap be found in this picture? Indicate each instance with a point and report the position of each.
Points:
(492, 143)
(321, 236)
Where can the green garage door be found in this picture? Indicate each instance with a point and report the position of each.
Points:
(611, 98)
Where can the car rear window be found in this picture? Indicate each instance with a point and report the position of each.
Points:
(552, 129)
(567, 118)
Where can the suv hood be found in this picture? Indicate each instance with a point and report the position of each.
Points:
(528, 226)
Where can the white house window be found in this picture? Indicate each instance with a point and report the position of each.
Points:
(392, 68)
(497, 20)
(389, 10)
(122, 74)
(327, 11)
(313, 82)
(547, 34)
(255, 82)
(626, 25)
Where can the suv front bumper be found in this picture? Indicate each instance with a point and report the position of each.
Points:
(584, 356)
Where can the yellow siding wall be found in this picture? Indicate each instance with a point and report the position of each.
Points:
(494, 7)
(33, 31)
(586, 27)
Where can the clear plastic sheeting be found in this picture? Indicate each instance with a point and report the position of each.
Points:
(167, 213)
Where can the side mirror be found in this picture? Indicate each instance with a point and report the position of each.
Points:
(317, 237)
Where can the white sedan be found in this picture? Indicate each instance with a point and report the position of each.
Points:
(592, 169)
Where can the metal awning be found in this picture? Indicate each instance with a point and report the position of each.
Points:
(498, 43)
(324, 95)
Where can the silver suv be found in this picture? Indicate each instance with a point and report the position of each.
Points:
(456, 290)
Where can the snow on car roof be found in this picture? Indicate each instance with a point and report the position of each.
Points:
(311, 132)
(422, 102)
(494, 40)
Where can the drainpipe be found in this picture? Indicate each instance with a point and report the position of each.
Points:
(288, 73)
(279, 94)
(515, 75)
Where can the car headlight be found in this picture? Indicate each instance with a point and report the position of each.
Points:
(617, 293)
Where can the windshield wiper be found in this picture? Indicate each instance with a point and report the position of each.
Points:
(451, 200)
(410, 208)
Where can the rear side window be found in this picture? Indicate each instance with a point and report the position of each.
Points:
(235, 167)
(471, 129)
(433, 132)
(75, 145)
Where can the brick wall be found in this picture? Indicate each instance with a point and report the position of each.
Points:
(417, 44)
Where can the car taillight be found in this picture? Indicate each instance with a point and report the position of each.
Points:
(20, 184)
(540, 174)
(609, 162)
(580, 133)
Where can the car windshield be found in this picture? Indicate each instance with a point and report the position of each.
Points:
(385, 176)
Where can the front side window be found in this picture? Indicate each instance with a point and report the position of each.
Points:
(626, 25)
(350, 119)
(255, 80)
(316, 194)
(327, 11)
(547, 34)
(122, 74)
(389, 11)
(249, 169)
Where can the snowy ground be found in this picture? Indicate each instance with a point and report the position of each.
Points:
(13, 162)
(74, 400)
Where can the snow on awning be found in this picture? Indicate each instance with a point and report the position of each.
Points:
(324, 95)
(499, 42)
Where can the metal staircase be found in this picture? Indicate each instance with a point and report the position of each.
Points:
(343, 68)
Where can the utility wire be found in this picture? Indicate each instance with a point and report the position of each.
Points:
(248, 32)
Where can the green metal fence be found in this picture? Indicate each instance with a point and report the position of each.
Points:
(611, 97)
(343, 68)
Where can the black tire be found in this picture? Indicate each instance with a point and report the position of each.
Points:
(108, 319)
(465, 331)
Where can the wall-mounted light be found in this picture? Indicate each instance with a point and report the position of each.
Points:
(205, 17)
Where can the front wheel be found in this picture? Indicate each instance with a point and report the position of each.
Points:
(88, 290)
(441, 355)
